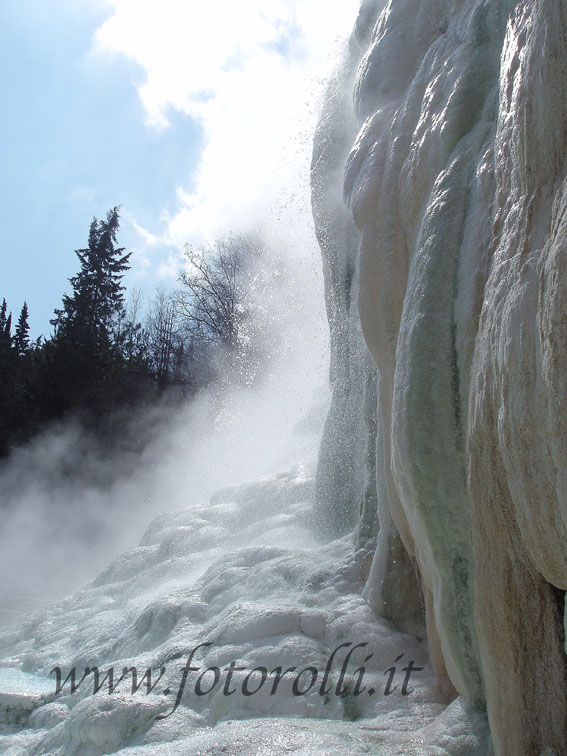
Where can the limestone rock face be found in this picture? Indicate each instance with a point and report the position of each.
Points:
(452, 163)
(517, 413)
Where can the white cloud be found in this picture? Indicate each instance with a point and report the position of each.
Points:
(150, 240)
(250, 73)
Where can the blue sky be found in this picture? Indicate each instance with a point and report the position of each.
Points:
(74, 144)
(141, 104)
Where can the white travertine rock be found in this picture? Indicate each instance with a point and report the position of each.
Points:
(517, 418)
(456, 185)
(259, 605)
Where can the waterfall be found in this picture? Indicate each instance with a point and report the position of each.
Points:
(400, 590)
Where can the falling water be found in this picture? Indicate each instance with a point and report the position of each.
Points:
(412, 537)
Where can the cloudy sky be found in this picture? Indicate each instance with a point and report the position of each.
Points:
(193, 116)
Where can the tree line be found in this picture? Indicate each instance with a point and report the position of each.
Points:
(108, 355)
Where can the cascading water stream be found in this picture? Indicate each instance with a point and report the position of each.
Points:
(433, 528)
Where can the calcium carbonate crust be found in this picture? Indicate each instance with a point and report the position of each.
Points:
(456, 186)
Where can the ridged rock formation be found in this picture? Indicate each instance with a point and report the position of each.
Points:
(447, 128)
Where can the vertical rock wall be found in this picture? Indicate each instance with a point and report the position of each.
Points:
(447, 129)
(517, 413)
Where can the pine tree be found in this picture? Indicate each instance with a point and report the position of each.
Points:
(91, 313)
(84, 361)
(8, 382)
(22, 335)
(5, 331)
(3, 315)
